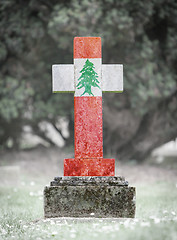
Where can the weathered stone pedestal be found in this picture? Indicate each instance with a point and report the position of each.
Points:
(89, 197)
(78, 194)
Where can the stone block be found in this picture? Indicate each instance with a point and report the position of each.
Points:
(89, 197)
(88, 128)
(113, 72)
(89, 167)
(60, 72)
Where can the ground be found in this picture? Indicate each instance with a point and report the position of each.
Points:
(24, 174)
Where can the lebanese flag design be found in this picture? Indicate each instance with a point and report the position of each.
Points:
(88, 112)
(88, 98)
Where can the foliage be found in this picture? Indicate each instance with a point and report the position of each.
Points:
(88, 78)
(35, 34)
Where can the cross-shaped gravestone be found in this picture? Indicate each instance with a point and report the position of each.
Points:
(91, 188)
(88, 78)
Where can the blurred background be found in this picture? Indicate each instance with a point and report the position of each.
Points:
(141, 35)
(37, 127)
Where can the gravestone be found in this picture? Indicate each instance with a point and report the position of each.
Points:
(89, 187)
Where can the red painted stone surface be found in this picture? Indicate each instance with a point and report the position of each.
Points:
(87, 47)
(89, 167)
(88, 127)
(88, 124)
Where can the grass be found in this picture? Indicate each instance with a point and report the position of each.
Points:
(21, 216)
(21, 206)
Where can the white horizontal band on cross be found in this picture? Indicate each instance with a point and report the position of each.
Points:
(63, 78)
(112, 78)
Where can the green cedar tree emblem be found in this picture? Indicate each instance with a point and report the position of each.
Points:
(88, 78)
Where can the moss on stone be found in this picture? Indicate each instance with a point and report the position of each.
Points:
(80, 201)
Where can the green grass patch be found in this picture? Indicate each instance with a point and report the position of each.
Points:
(21, 216)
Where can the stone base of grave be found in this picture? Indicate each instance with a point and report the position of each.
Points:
(89, 167)
(105, 197)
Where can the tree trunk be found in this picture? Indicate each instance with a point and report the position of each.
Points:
(135, 137)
